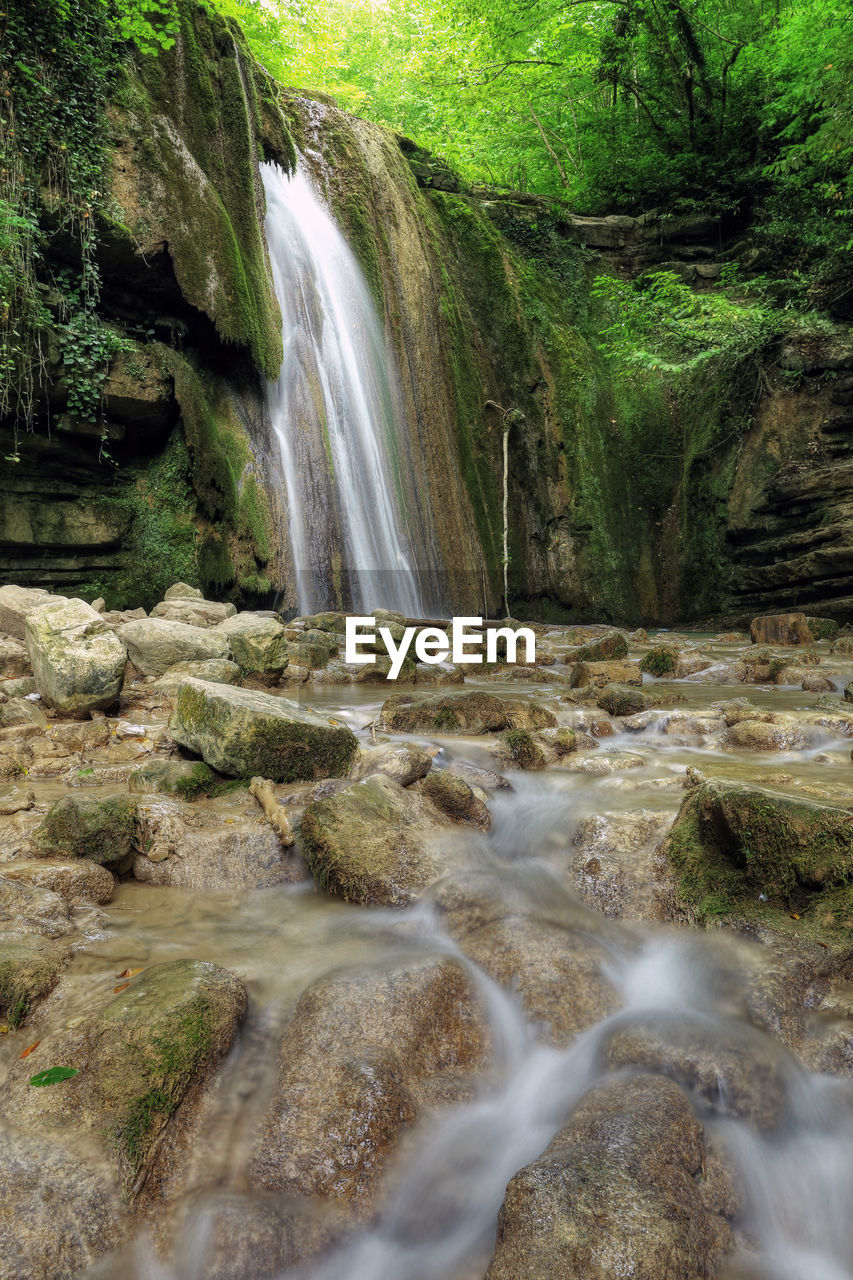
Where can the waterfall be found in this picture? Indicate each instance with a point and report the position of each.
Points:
(343, 460)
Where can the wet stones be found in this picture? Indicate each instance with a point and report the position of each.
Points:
(360, 1056)
(81, 826)
(367, 843)
(29, 968)
(246, 733)
(618, 1192)
(460, 713)
(781, 628)
(78, 663)
(140, 1056)
(258, 643)
(745, 851)
(156, 644)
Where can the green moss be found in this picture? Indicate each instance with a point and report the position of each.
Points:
(224, 109)
(623, 700)
(823, 628)
(747, 855)
(523, 749)
(610, 648)
(28, 971)
(103, 830)
(660, 661)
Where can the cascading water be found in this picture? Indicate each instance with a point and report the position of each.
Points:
(344, 465)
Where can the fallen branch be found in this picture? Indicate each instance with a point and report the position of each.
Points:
(279, 819)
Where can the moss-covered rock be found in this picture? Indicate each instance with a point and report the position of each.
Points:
(78, 663)
(245, 733)
(258, 644)
(520, 748)
(80, 826)
(453, 797)
(822, 628)
(604, 673)
(138, 1058)
(744, 852)
(29, 968)
(609, 648)
(367, 843)
(188, 779)
(156, 644)
(660, 661)
(460, 713)
(623, 700)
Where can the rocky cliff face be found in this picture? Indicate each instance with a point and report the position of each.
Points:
(624, 501)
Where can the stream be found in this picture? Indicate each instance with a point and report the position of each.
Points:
(443, 1190)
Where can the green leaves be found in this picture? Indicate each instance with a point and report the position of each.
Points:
(53, 1075)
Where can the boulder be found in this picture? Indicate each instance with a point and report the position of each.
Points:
(453, 797)
(17, 603)
(245, 733)
(195, 613)
(215, 670)
(603, 673)
(556, 965)
(781, 628)
(29, 968)
(661, 661)
(258, 644)
(608, 648)
(366, 843)
(57, 1215)
(79, 882)
(757, 735)
(188, 779)
(78, 663)
(360, 1056)
(80, 826)
(404, 762)
(737, 846)
(822, 628)
(613, 862)
(14, 659)
(623, 700)
(744, 1074)
(182, 591)
(155, 644)
(187, 847)
(139, 1056)
(460, 713)
(619, 1192)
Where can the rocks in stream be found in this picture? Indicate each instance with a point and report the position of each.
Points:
(745, 851)
(623, 1190)
(460, 713)
(258, 643)
(29, 968)
(140, 1056)
(81, 826)
(781, 628)
(156, 644)
(57, 1215)
(78, 663)
(361, 1055)
(368, 843)
(613, 861)
(245, 733)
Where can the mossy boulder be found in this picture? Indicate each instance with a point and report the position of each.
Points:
(195, 612)
(453, 797)
(138, 1057)
(822, 628)
(623, 700)
(367, 843)
(460, 713)
(185, 778)
(258, 643)
(519, 747)
(29, 968)
(78, 663)
(660, 661)
(81, 826)
(304, 653)
(609, 648)
(745, 851)
(156, 644)
(16, 605)
(245, 733)
(216, 670)
(78, 881)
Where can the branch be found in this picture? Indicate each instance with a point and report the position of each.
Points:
(551, 152)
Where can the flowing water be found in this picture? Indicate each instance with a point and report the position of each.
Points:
(438, 1216)
(335, 410)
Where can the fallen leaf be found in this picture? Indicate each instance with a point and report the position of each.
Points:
(28, 1051)
(128, 973)
(4, 1030)
(122, 987)
(793, 915)
(52, 1076)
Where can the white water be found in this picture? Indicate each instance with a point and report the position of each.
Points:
(343, 463)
